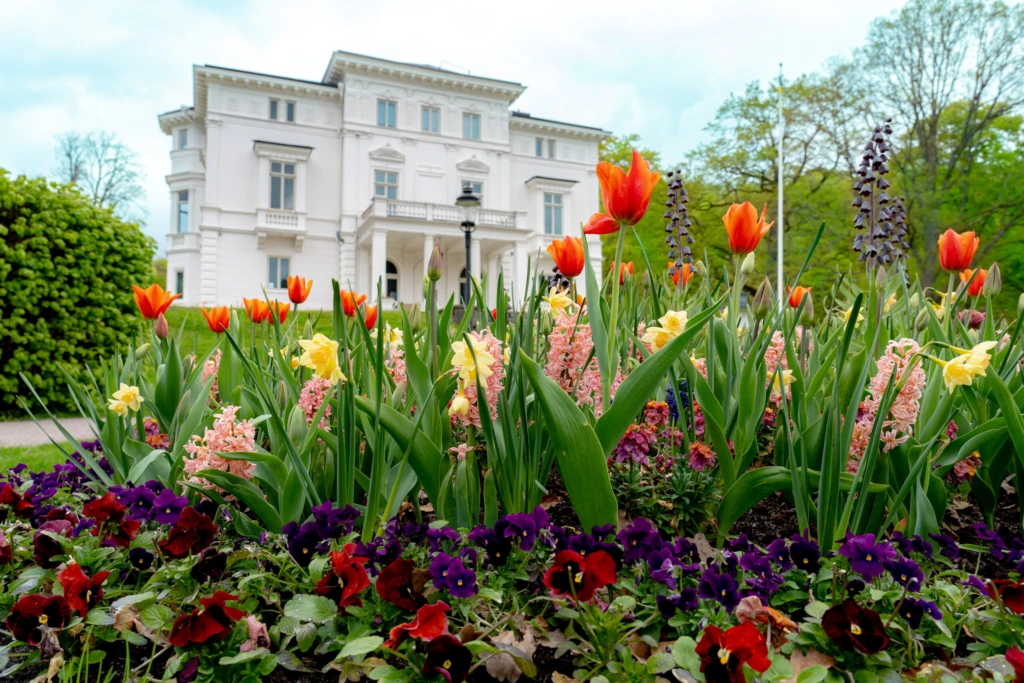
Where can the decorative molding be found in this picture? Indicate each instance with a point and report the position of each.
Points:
(542, 184)
(387, 153)
(281, 151)
(473, 165)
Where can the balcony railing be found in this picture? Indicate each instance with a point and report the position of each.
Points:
(183, 241)
(441, 213)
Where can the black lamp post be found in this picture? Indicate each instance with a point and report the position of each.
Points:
(468, 203)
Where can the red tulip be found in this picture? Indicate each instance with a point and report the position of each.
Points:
(153, 300)
(956, 250)
(278, 308)
(567, 255)
(977, 285)
(349, 302)
(370, 315)
(685, 271)
(600, 224)
(623, 269)
(573, 574)
(744, 228)
(626, 196)
(257, 309)
(796, 295)
(218, 318)
(430, 622)
(298, 289)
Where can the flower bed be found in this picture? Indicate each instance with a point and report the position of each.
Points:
(555, 495)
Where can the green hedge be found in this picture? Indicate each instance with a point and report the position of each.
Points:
(66, 271)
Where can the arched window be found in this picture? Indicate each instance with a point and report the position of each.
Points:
(462, 286)
(391, 281)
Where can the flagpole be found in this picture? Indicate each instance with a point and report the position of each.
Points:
(780, 275)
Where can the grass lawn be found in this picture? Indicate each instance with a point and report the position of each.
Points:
(36, 457)
(196, 334)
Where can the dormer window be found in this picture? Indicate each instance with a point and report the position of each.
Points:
(276, 113)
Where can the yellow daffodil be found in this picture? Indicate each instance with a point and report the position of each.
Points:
(848, 312)
(460, 404)
(978, 356)
(321, 354)
(674, 322)
(557, 299)
(956, 372)
(392, 337)
(506, 356)
(294, 362)
(463, 360)
(657, 337)
(781, 379)
(125, 398)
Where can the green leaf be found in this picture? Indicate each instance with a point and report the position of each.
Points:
(133, 599)
(812, 674)
(311, 608)
(579, 453)
(248, 493)
(99, 617)
(360, 646)
(244, 656)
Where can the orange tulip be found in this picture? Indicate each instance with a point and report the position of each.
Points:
(371, 316)
(600, 224)
(153, 300)
(494, 314)
(218, 318)
(686, 271)
(626, 196)
(623, 269)
(280, 309)
(257, 309)
(956, 250)
(796, 295)
(977, 286)
(567, 255)
(744, 228)
(349, 301)
(298, 289)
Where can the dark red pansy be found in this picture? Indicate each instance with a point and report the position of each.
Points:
(430, 622)
(111, 524)
(14, 500)
(102, 509)
(81, 592)
(852, 627)
(346, 579)
(395, 585)
(447, 656)
(192, 533)
(574, 574)
(45, 547)
(723, 654)
(1015, 658)
(33, 613)
(214, 621)
(6, 550)
(1010, 592)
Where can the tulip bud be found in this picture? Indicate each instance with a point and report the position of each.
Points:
(546, 323)
(142, 351)
(415, 318)
(762, 304)
(747, 266)
(160, 327)
(914, 301)
(921, 321)
(807, 313)
(297, 425)
(434, 265)
(698, 267)
(426, 286)
(881, 278)
(993, 281)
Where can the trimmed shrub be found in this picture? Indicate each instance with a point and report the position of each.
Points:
(66, 271)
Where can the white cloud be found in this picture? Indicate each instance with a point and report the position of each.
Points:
(659, 69)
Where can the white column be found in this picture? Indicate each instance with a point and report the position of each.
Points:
(492, 280)
(208, 269)
(475, 262)
(378, 261)
(518, 285)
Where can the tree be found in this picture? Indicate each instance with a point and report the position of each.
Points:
(949, 71)
(103, 167)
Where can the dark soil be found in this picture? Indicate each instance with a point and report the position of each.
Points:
(1006, 520)
(772, 518)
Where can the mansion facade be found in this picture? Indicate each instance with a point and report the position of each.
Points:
(355, 177)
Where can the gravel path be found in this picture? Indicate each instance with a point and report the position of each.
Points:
(28, 433)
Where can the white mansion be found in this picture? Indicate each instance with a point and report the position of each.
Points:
(355, 178)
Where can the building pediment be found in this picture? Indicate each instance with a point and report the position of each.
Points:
(387, 153)
(473, 164)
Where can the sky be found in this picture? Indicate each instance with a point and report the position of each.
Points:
(659, 69)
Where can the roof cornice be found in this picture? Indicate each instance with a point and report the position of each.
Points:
(172, 119)
(203, 75)
(348, 63)
(547, 126)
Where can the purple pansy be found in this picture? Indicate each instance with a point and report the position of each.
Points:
(683, 601)
(906, 572)
(719, 587)
(867, 558)
(167, 507)
(778, 551)
(913, 610)
(461, 581)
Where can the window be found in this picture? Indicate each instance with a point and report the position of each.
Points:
(179, 282)
(182, 138)
(539, 148)
(282, 186)
(273, 109)
(183, 211)
(476, 186)
(385, 184)
(431, 119)
(463, 291)
(289, 108)
(386, 113)
(551, 149)
(471, 126)
(391, 281)
(278, 276)
(552, 214)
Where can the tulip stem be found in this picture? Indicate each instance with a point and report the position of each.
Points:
(613, 321)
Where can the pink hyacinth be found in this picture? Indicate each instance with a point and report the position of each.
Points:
(227, 436)
(312, 397)
(569, 347)
(492, 385)
(395, 364)
(210, 369)
(899, 423)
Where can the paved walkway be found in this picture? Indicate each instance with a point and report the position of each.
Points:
(28, 433)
